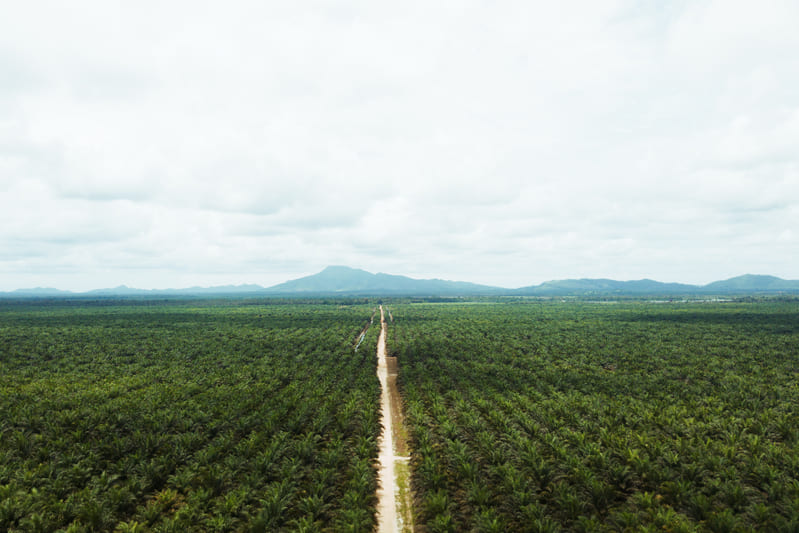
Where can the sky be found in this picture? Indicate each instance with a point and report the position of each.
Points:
(185, 143)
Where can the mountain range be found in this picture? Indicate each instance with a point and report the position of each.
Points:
(341, 280)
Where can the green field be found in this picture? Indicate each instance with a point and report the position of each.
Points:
(187, 416)
(259, 415)
(596, 417)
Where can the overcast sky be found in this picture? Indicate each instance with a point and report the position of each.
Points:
(172, 144)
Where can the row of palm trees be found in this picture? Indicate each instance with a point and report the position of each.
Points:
(187, 417)
(535, 417)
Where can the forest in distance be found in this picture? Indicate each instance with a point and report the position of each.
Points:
(257, 414)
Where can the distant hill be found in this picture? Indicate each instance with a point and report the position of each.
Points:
(604, 286)
(39, 291)
(751, 282)
(742, 284)
(123, 290)
(342, 280)
(346, 280)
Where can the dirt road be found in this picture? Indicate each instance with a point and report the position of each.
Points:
(393, 506)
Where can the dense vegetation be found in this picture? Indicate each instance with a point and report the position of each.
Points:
(588, 417)
(187, 416)
(528, 416)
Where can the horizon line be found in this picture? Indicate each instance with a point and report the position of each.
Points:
(241, 287)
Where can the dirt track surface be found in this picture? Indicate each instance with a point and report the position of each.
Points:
(389, 517)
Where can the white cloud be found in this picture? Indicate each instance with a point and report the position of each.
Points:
(163, 144)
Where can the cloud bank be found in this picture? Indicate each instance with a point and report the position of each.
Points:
(252, 142)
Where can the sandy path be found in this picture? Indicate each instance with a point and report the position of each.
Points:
(389, 519)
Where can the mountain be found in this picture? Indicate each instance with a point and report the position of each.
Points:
(604, 286)
(345, 280)
(748, 283)
(39, 291)
(123, 290)
(751, 282)
(342, 280)
(246, 288)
